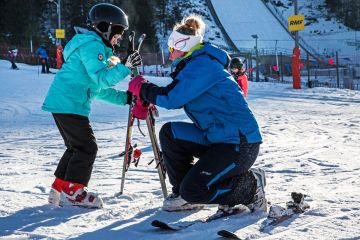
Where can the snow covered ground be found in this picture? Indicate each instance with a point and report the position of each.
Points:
(311, 145)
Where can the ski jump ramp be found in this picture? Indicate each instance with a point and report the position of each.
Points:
(243, 18)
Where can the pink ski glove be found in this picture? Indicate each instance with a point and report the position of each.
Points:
(135, 85)
(140, 109)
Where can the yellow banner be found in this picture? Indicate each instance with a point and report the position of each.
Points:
(60, 33)
(296, 23)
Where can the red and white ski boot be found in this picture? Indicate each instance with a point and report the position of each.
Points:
(54, 195)
(75, 194)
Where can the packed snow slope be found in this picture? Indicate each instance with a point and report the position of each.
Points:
(311, 145)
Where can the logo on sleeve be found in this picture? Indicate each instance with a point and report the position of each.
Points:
(100, 57)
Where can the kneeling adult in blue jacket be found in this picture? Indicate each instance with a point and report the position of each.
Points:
(224, 134)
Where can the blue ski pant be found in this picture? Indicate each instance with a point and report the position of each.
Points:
(220, 176)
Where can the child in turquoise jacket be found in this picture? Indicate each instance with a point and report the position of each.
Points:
(90, 72)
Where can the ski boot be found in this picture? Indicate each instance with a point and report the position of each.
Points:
(278, 214)
(75, 194)
(174, 202)
(259, 202)
(54, 195)
(298, 205)
(225, 210)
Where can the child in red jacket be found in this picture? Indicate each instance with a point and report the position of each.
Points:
(238, 72)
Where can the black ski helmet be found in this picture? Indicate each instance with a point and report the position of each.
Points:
(236, 63)
(108, 20)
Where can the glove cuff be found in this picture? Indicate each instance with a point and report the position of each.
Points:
(129, 97)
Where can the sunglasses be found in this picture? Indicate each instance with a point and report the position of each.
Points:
(171, 49)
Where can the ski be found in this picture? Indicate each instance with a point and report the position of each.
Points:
(131, 154)
(150, 122)
(162, 225)
(130, 150)
(227, 234)
(277, 214)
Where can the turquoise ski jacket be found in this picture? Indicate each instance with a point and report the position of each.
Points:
(86, 74)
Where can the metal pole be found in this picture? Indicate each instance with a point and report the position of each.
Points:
(281, 67)
(163, 17)
(296, 57)
(257, 61)
(251, 67)
(297, 32)
(337, 70)
(308, 69)
(59, 17)
(156, 59)
(276, 55)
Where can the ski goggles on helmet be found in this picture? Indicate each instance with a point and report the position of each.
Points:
(183, 42)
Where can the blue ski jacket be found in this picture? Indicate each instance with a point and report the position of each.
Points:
(41, 52)
(86, 74)
(209, 95)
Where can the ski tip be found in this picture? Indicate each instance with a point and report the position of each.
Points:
(227, 234)
(162, 225)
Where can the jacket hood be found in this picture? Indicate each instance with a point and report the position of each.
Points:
(79, 40)
(220, 55)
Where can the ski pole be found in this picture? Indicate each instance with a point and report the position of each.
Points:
(38, 67)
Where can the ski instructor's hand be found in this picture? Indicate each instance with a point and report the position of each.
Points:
(132, 60)
(135, 85)
(141, 108)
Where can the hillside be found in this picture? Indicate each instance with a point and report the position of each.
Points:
(325, 31)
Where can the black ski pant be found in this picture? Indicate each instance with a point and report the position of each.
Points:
(45, 67)
(220, 176)
(77, 161)
(13, 64)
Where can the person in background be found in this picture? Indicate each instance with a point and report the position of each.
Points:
(59, 56)
(13, 53)
(239, 74)
(224, 135)
(43, 58)
(90, 71)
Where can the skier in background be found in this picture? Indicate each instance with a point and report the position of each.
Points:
(224, 135)
(90, 71)
(239, 74)
(43, 58)
(13, 53)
